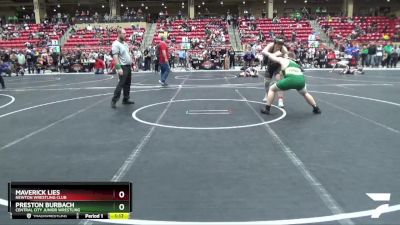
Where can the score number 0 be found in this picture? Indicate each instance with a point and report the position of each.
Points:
(121, 195)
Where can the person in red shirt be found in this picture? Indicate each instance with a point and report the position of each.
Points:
(111, 69)
(99, 66)
(331, 58)
(163, 61)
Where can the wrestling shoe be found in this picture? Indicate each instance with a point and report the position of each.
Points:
(266, 110)
(163, 84)
(316, 110)
(127, 102)
(280, 103)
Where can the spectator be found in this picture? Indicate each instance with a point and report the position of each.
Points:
(386, 37)
(275, 20)
(163, 60)
(213, 54)
(263, 13)
(294, 35)
(248, 58)
(322, 60)
(388, 50)
(172, 59)
(274, 13)
(379, 55)
(99, 66)
(182, 58)
(4, 68)
(371, 58)
(20, 66)
(147, 59)
(231, 54)
(261, 36)
(364, 54)
(40, 65)
(395, 56)
(156, 59)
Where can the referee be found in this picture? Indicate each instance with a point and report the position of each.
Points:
(123, 62)
(3, 86)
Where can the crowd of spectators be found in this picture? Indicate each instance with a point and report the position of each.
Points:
(373, 55)
(346, 30)
(379, 54)
(19, 62)
(41, 36)
(41, 61)
(100, 61)
(214, 32)
(211, 45)
(222, 58)
(102, 36)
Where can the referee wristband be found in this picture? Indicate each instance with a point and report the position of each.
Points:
(118, 66)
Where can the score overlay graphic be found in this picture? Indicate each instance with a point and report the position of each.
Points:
(70, 200)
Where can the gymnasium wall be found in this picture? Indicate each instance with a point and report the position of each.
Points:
(123, 25)
(366, 7)
(7, 11)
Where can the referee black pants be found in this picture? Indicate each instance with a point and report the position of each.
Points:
(2, 81)
(123, 84)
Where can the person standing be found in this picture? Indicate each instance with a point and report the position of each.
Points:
(156, 57)
(4, 68)
(388, 49)
(21, 62)
(182, 58)
(231, 54)
(30, 58)
(395, 56)
(3, 86)
(163, 61)
(371, 58)
(172, 59)
(379, 55)
(123, 62)
(147, 59)
(364, 54)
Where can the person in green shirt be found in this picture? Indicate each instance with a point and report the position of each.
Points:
(21, 62)
(364, 54)
(318, 11)
(12, 19)
(293, 79)
(388, 50)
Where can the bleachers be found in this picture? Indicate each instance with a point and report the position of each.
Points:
(344, 27)
(54, 33)
(86, 40)
(199, 32)
(303, 29)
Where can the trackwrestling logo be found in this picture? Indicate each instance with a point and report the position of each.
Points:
(379, 197)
